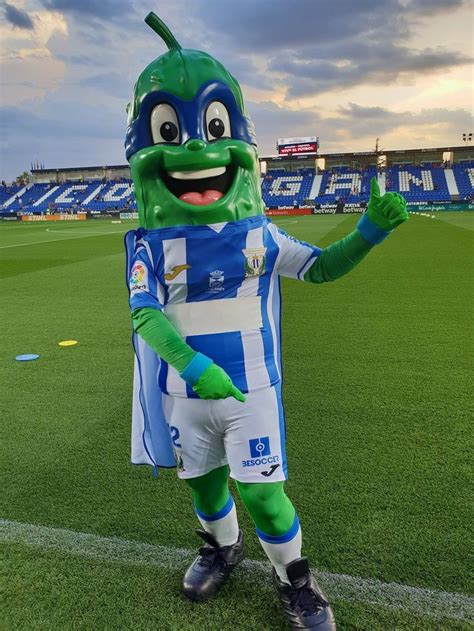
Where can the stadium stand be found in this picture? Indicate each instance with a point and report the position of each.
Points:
(6, 192)
(93, 196)
(464, 176)
(111, 195)
(419, 184)
(282, 188)
(344, 183)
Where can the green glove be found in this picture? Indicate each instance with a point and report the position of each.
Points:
(386, 211)
(215, 383)
(209, 380)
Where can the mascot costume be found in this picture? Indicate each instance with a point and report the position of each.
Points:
(203, 274)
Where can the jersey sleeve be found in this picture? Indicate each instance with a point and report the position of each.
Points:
(144, 287)
(295, 257)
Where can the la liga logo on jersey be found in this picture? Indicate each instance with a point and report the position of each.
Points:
(138, 277)
(254, 261)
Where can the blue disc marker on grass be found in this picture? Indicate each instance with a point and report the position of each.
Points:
(26, 358)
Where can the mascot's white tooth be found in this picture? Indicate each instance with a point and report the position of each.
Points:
(197, 175)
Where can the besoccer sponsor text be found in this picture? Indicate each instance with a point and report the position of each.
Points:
(260, 453)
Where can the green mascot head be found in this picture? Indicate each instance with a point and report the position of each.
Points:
(190, 143)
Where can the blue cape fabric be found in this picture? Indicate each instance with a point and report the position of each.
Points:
(151, 439)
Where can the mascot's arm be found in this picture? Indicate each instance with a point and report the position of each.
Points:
(338, 259)
(207, 379)
(158, 332)
(384, 214)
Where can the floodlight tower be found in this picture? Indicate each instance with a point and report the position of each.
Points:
(467, 138)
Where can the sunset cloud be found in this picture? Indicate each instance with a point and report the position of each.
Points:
(17, 17)
(347, 72)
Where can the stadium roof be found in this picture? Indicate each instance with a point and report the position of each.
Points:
(462, 149)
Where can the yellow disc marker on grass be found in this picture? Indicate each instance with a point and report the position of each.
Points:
(67, 343)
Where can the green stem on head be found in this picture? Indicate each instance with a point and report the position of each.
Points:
(163, 31)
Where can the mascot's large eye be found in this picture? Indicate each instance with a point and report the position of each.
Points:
(164, 124)
(217, 121)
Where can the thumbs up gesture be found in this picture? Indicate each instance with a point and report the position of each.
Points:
(386, 211)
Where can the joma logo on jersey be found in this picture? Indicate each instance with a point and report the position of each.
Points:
(176, 271)
(254, 261)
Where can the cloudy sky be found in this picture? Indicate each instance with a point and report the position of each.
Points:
(344, 70)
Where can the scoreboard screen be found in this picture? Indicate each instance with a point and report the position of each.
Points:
(295, 146)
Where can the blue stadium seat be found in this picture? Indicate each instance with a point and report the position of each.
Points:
(418, 184)
(280, 188)
(350, 185)
(464, 176)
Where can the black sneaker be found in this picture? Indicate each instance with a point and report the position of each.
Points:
(211, 569)
(305, 605)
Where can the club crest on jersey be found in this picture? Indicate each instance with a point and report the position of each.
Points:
(216, 280)
(254, 261)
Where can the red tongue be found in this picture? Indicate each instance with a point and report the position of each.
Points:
(201, 199)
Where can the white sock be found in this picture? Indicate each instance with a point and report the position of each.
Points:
(284, 551)
(223, 526)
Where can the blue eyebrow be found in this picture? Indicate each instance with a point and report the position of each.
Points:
(190, 114)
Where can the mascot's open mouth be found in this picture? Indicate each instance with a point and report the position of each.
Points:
(200, 188)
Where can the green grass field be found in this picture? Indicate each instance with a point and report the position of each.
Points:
(378, 400)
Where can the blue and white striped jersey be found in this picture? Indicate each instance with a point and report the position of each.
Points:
(219, 285)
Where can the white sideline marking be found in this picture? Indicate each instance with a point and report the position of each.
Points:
(417, 600)
(69, 232)
(84, 236)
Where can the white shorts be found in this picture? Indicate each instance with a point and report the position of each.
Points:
(249, 437)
